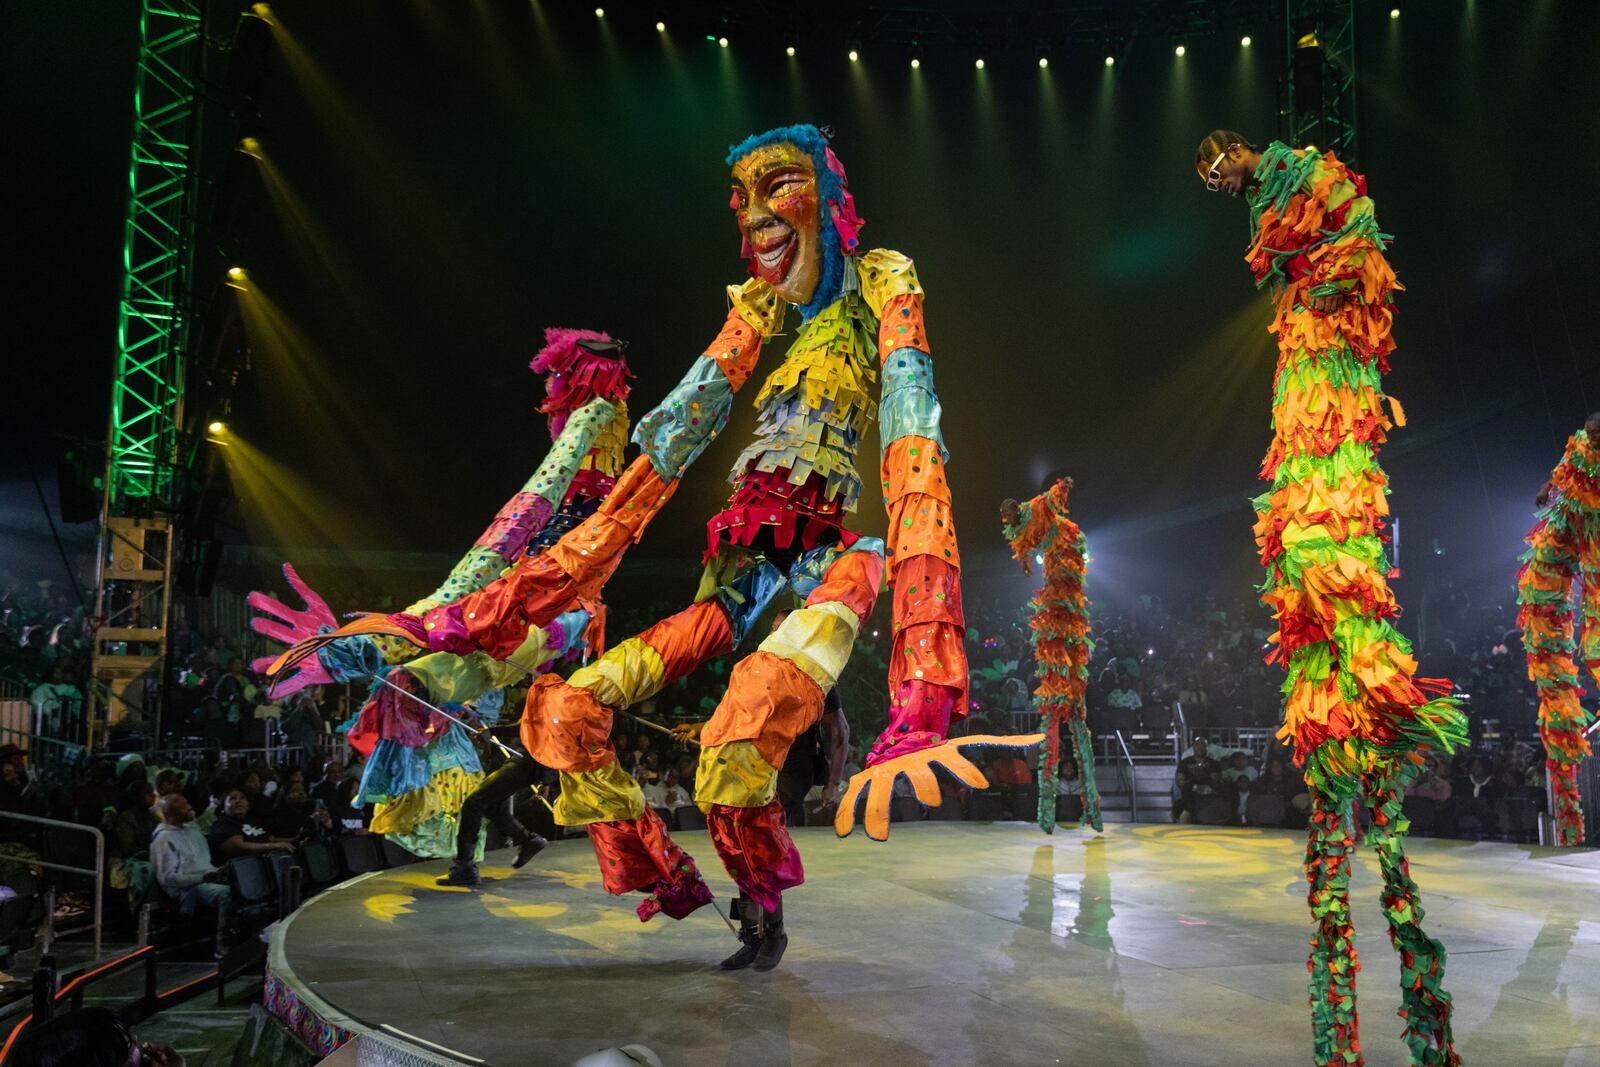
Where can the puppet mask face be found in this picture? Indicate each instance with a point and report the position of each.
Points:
(779, 208)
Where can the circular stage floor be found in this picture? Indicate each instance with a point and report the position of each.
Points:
(956, 943)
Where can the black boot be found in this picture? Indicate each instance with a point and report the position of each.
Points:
(460, 874)
(748, 912)
(529, 847)
(773, 941)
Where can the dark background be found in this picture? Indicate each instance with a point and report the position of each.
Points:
(465, 174)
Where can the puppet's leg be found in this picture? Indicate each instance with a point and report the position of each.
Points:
(735, 588)
(565, 728)
(774, 695)
(1425, 1006)
(1333, 964)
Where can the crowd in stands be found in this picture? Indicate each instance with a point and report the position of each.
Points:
(1209, 660)
(169, 832)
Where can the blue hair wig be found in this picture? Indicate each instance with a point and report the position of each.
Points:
(809, 140)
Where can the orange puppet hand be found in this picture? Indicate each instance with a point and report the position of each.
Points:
(876, 784)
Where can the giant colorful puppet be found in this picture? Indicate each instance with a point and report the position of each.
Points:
(1356, 717)
(783, 527)
(1061, 644)
(420, 765)
(1563, 560)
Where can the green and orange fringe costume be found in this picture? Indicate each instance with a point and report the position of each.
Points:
(1358, 721)
(1061, 644)
(1563, 557)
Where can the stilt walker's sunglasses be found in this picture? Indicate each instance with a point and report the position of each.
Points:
(1213, 174)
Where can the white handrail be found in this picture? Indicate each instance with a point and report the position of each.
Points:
(1133, 780)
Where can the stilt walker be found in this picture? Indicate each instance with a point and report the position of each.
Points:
(1061, 644)
(1563, 561)
(1359, 722)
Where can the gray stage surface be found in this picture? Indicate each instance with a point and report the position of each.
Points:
(958, 943)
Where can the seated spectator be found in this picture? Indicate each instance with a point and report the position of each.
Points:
(1201, 775)
(1008, 769)
(88, 1037)
(1180, 797)
(297, 817)
(1203, 771)
(136, 820)
(1431, 784)
(667, 793)
(1125, 697)
(1475, 793)
(649, 769)
(184, 870)
(326, 787)
(1238, 766)
(1281, 779)
(17, 792)
(96, 793)
(237, 832)
(1241, 799)
(302, 724)
(1067, 781)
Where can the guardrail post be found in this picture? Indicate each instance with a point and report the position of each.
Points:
(44, 988)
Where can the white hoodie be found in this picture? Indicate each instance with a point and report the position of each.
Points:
(180, 856)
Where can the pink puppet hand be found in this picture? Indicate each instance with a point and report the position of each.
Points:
(876, 783)
(288, 626)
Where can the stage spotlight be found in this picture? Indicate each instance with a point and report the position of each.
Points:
(1180, 50)
(250, 147)
(217, 428)
(1394, 12)
(1244, 42)
(979, 64)
(854, 55)
(661, 27)
(722, 42)
(599, 12)
(789, 51)
(237, 274)
(1110, 60)
(916, 64)
(1043, 62)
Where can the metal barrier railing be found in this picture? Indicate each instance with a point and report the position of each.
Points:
(97, 872)
(44, 753)
(1133, 780)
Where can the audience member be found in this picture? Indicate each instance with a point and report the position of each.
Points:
(184, 868)
(237, 831)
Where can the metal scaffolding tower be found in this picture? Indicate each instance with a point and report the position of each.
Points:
(144, 474)
(1319, 87)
